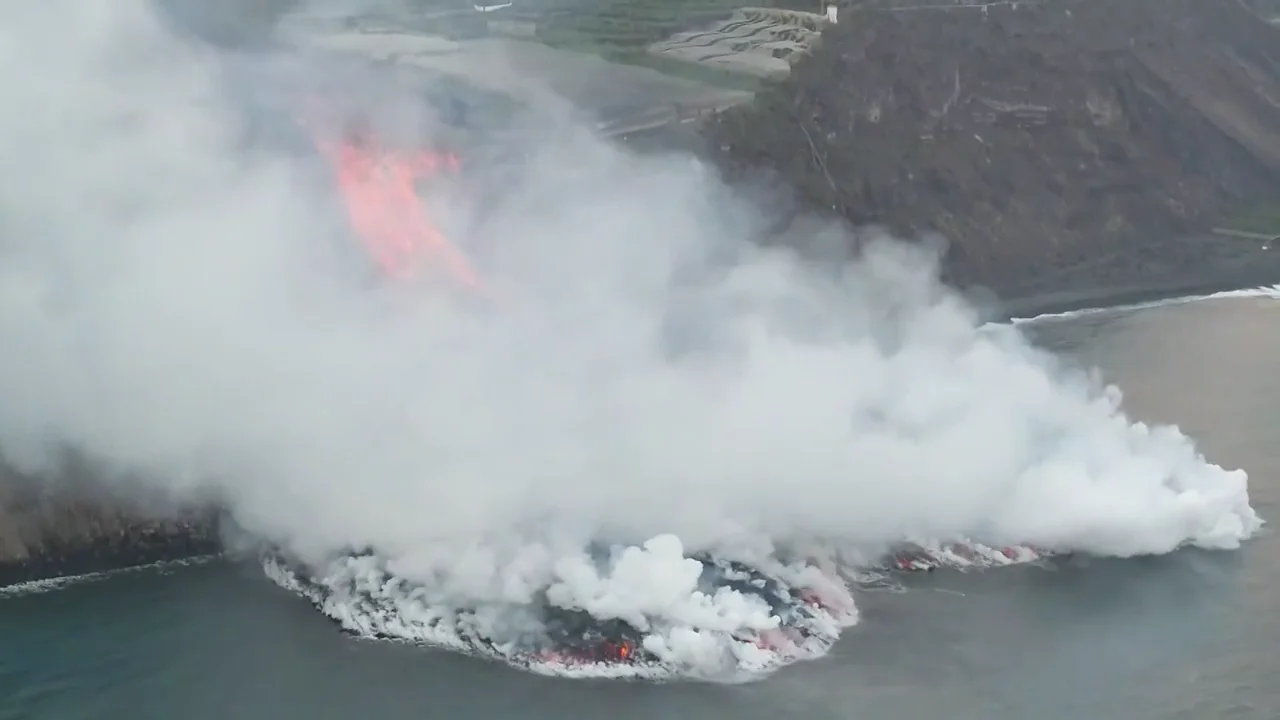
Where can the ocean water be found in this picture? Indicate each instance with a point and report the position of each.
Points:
(1189, 635)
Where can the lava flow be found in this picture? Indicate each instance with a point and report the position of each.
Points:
(379, 190)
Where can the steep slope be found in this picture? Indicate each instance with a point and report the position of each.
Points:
(1039, 138)
(55, 529)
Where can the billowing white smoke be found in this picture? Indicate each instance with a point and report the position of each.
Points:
(172, 306)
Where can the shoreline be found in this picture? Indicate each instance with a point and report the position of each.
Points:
(1030, 307)
(1190, 266)
(106, 553)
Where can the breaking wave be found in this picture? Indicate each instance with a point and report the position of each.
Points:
(37, 587)
(1262, 291)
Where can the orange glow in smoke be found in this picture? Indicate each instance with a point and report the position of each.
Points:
(382, 203)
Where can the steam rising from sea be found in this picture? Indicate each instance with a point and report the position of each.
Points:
(188, 311)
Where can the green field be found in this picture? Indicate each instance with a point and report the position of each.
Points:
(1263, 219)
(621, 30)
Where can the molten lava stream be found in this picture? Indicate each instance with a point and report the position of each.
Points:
(386, 212)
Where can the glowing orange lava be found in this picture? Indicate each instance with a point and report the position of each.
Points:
(379, 190)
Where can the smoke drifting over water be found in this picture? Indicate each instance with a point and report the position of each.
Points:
(182, 310)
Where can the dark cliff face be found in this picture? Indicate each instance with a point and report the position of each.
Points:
(50, 530)
(1038, 139)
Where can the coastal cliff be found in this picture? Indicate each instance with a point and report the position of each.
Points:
(1067, 149)
(1056, 145)
(50, 530)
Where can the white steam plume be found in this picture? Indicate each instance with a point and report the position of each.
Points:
(173, 305)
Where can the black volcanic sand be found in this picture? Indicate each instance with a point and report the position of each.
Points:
(70, 525)
(90, 554)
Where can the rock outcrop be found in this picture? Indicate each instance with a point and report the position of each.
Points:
(50, 530)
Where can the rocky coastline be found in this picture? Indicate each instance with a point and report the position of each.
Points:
(70, 525)
(1066, 148)
(1075, 153)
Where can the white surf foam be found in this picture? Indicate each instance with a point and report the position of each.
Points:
(1262, 291)
(35, 587)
